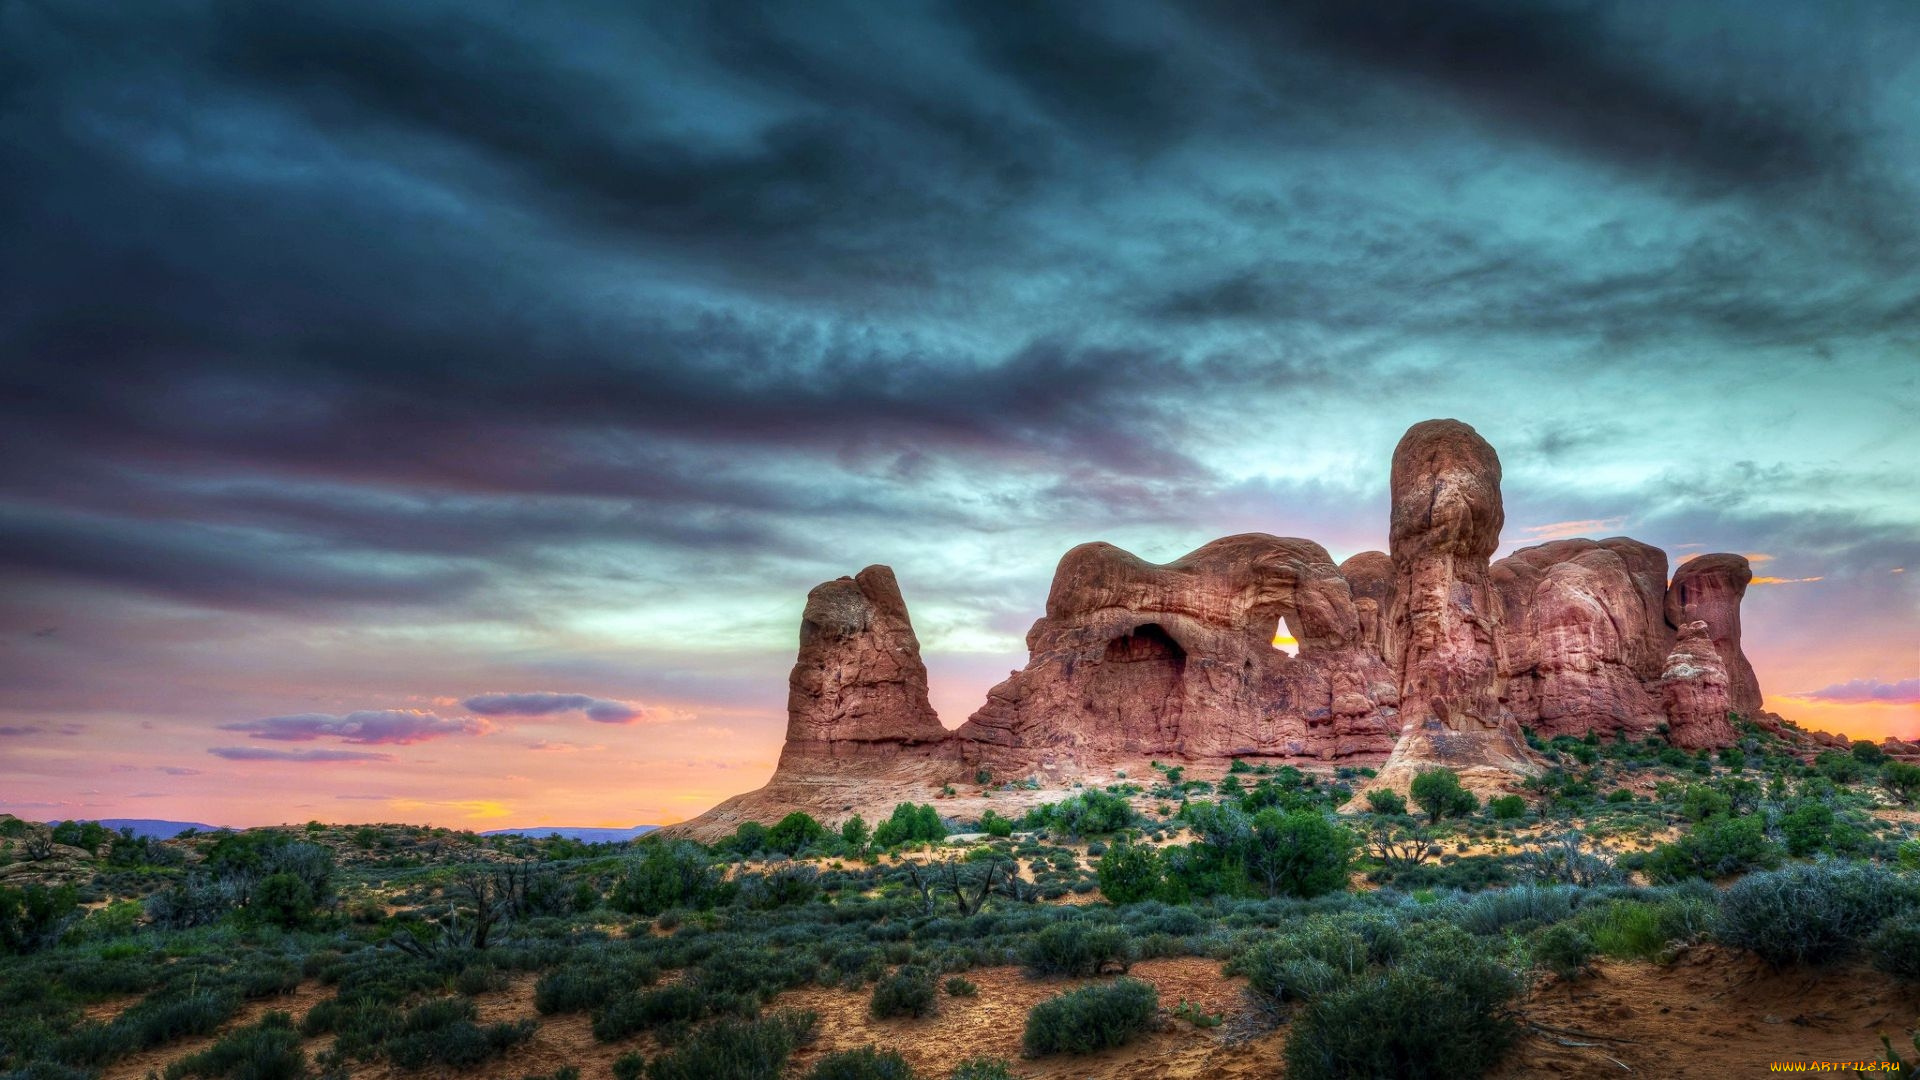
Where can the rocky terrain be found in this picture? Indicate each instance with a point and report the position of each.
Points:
(1429, 654)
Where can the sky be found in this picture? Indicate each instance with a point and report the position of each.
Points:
(438, 412)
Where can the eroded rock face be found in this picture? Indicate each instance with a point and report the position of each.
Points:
(1582, 628)
(1709, 589)
(858, 685)
(1696, 692)
(1370, 579)
(1178, 659)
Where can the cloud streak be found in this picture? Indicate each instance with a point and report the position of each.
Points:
(261, 753)
(396, 727)
(599, 710)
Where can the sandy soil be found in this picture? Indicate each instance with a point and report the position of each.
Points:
(1714, 1010)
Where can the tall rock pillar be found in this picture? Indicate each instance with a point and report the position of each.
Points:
(1446, 615)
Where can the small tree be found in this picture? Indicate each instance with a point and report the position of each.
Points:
(1386, 801)
(1439, 793)
(1129, 873)
(1902, 781)
(1299, 853)
(855, 832)
(664, 876)
(796, 831)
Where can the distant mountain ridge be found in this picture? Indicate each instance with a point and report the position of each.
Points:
(584, 835)
(151, 828)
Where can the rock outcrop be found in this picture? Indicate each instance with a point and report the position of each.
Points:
(1142, 660)
(1427, 655)
(1695, 691)
(858, 685)
(1708, 589)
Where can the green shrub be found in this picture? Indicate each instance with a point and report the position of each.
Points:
(1640, 930)
(1129, 873)
(1895, 949)
(1701, 802)
(1443, 1011)
(35, 917)
(1508, 807)
(910, 824)
(1902, 781)
(1439, 793)
(794, 833)
(1386, 801)
(994, 825)
(855, 833)
(960, 987)
(1565, 950)
(907, 992)
(1300, 853)
(662, 876)
(442, 1032)
(1091, 1018)
(1077, 947)
(631, 1065)
(630, 1013)
(1811, 914)
(1318, 954)
(1807, 825)
(268, 1050)
(1716, 848)
(865, 1063)
(731, 1049)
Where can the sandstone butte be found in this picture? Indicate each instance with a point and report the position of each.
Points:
(1429, 654)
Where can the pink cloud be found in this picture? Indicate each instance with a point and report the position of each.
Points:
(397, 727)
(261, 753)
(599, 710)
(1868, 691)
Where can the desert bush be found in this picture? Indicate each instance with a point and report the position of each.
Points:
(442, 1032)
(663, 876)
(631, 1065)
(1565, 950)
(1129, 873)
(731, 1049)
(623, 1016)
(993, 824)
(268, 1050)
(1716, 848)
(960, 987)
(1442, 1011)
(1091, 1018)
(1902, 781)
(864, 1063)
(1077, 947)
(1440, 795)
(794, 833)
(907, 992)
(35, 917)
(1507, 807)
(1811, 914)
(1386, 801)
(1640, 930)
(1895, 948)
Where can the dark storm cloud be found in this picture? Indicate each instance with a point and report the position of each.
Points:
(315, 292)
(599, 710)
(1591, 76)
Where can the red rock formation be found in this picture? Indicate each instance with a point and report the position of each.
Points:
(1429, 651)
(1134, 658)
(1582, 628)
(858, 684)
(1708, 589)
(1695, 692)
